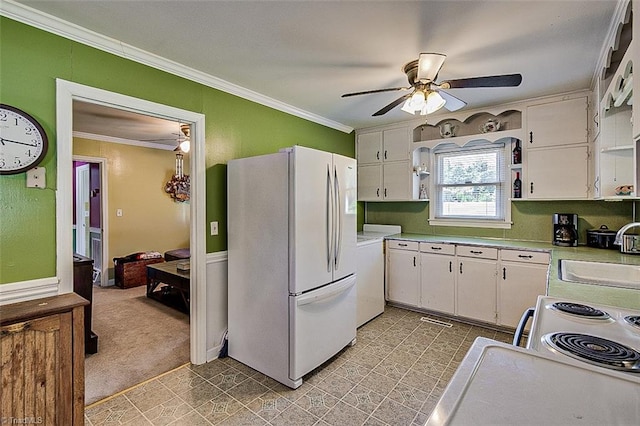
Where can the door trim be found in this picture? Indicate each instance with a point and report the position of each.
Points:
(66, 93)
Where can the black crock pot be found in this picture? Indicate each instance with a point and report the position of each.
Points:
(601, 238)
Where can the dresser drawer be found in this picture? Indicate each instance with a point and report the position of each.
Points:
(403, 245)
(525, 256)
(479, 252)
(438, 248)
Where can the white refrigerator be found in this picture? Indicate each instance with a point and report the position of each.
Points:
(292, 260)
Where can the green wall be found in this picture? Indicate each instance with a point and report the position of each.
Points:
(30, 62)
(531, 219)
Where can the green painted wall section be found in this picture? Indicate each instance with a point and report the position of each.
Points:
(531, 219)
(30, 62)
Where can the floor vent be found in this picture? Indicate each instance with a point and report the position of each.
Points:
(436, 322)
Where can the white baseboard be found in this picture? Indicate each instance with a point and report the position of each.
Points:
(28, 290)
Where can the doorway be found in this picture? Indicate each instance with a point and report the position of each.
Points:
(90, 207)
(66, 93)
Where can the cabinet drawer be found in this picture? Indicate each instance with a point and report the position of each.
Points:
(479, 252)
(525, 256)
(403, 245)
(438, 248)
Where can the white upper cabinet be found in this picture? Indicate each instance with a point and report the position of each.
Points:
(369, 148)
(557, 173)
(557, 123)
(635, 57)
(396, 144)
(384, 166)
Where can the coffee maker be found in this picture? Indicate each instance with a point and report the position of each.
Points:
(565, 229)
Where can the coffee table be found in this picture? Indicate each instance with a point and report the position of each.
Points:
(175, 291)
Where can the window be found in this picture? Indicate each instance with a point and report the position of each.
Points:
(470, 188)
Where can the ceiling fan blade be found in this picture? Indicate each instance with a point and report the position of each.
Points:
(392, 89)
(452, 103)
(506, 80)
(392, 105)
(429, 65)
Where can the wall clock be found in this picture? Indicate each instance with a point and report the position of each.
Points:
(23, 141)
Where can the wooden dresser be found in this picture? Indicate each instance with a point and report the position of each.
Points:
(42, 353)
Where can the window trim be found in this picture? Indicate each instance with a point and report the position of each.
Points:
(471, 221)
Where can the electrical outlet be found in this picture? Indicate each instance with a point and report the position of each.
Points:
(119, 212)
(214, 228)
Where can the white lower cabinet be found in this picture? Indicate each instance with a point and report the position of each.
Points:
(485, 284)
(403, 272)
(438, 277)
(476, 287)
(522, 278)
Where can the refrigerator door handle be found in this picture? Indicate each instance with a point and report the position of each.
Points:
(320, 296)
(329, 214)
(338, 220)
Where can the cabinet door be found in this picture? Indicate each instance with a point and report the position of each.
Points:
(557, 123)
(519, 286)
(636, 81)
(370, 182)
(397, 178)
(476, 289)
(396, 144)
(37, 380)
(370, 148)
(437, 281)
(403, 273)
(557, 173)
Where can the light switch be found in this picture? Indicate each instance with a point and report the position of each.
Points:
(36, 178)
(214, 228)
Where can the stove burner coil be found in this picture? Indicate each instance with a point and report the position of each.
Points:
(596, 350)
(581, 310)
(634, 320)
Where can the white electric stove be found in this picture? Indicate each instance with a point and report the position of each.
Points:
(581, 366)
(601, 336)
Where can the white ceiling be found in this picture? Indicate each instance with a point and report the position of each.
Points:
(308, 53)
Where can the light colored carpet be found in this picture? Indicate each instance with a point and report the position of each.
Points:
(138, 339)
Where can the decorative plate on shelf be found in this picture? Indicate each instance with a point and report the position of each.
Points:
(624, 190)
(490, 126)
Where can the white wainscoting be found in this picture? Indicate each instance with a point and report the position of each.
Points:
(28, 290)
(217, 283)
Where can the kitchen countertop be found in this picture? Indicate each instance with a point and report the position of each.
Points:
(614, 296)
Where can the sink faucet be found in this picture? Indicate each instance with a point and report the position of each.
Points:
(618, 240)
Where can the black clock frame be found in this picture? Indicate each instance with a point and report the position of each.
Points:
(39, 129)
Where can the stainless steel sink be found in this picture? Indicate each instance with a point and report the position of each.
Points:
(600, 273)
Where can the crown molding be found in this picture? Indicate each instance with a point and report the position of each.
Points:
(71, 31)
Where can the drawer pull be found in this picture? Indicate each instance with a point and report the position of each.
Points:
(402, 245)
(436, 248)
(475, 252)
(522, 256)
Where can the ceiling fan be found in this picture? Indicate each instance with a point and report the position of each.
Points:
(427, 96)
(182, 139)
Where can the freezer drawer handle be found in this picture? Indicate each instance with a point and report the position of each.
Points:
(314, 298)
(517, 337)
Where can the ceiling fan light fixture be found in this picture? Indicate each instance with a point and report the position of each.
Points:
(433, 104)
(185, 146)
(429, 65)
(415, 103)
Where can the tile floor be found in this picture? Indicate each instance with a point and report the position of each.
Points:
(394, 375)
